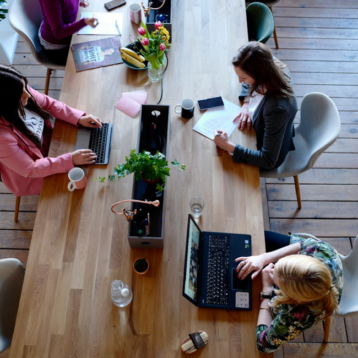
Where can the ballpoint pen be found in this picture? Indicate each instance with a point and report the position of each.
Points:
(118, 28)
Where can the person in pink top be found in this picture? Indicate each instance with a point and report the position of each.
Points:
(25, 134)
(59, 24)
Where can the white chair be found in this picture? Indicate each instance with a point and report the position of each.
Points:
(25, 17)
(349, 300)
(307, 236)
(11, 280)
(318, 129)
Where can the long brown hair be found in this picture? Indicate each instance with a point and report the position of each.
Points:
(11, 108)
(304, 280)
(256, 60)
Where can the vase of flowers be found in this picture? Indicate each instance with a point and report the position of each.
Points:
(155, 46)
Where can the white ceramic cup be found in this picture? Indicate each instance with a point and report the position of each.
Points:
(135, 13)
(77, 178)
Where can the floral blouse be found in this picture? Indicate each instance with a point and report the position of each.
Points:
(289, 321)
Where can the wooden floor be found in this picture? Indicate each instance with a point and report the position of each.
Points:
(318, 41)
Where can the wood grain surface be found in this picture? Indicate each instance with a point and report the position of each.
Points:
(78, 246)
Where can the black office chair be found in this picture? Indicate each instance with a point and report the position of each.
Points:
(25, 17)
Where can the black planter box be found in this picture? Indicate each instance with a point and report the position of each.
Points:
(166, 10)
(158, 114)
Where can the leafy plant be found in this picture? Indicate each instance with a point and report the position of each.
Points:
(3, 9)
(144, 165)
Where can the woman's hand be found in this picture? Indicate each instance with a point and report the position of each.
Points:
(84, 3)
(267, 278)
(83, 157)
(221, 139)
(90, 121)
(244, 119)
(93, 22)
(250, 264)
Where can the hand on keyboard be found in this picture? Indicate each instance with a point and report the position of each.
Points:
(249, 264)
(83, 157)
(90, 121)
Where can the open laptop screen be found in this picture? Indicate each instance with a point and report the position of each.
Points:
(192, 262)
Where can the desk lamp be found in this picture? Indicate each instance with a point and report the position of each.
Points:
(129, 214)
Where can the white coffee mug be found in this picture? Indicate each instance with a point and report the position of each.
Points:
(135, 13)
(77, 178)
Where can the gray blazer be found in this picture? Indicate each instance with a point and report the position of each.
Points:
(273, 124)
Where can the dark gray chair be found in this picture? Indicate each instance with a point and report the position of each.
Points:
(269, 3)
(25, 17)
(318, 129)
(260, 23)
(11, 280)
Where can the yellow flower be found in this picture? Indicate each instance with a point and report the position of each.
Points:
(278, 341)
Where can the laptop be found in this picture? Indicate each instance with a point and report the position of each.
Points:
(210, 279)
(96, 139)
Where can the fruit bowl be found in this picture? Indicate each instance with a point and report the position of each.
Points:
(135, 46)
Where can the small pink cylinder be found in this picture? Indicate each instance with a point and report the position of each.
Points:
(135, 13)
(77, 178)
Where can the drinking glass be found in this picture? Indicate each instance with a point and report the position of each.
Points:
(196, 206)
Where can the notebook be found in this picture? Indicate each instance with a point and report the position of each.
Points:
(210, 279)
(96, 139)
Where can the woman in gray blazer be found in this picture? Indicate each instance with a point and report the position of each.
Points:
(269, 106)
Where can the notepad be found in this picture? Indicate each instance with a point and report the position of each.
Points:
(106, 23)
(130, 102)
(220, 118)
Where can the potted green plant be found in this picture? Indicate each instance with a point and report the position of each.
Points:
(153, 168)
(141, 266)
(3, 9)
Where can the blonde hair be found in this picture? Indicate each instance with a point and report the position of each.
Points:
(304, 280)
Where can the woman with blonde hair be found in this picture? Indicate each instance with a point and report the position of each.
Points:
(302, 288)
(269, 107)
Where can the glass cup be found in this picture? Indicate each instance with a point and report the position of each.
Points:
(197, 205)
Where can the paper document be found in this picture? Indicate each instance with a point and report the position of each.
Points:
(220, 118)
(106, 24)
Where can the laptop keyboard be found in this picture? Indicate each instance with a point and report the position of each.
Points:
(218, 270)
(98, 142)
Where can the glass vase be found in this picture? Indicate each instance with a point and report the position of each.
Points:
(154, 74)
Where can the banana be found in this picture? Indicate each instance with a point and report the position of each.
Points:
(133, 54)
(131, 60)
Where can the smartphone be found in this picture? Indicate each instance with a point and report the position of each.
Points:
(114, 4)
(210, 103)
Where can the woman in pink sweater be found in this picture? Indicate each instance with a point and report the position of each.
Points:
(59, 24)
(25, 134)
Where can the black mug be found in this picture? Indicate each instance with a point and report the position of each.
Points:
(187, 108)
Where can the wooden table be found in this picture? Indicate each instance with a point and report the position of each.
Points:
(78, 246)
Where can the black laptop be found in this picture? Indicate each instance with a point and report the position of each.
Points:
(210, 279)
(96, 139)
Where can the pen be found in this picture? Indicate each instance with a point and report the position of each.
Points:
(218, 133)
(118, 28)
(96, 22)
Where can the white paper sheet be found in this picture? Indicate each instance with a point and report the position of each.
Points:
(218, 118)
(106, 23)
